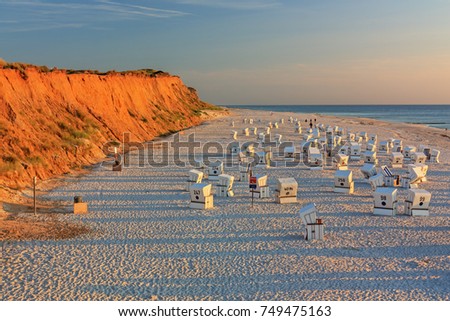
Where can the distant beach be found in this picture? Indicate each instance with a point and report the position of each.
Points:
(147, 244)
(431, 115)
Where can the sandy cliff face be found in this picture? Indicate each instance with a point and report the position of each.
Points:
(51, 122)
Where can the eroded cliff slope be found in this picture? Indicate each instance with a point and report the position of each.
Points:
(52, 121)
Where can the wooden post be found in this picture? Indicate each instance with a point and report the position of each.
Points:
(34, 195)
(250, 178)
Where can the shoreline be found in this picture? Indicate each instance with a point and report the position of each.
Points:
(355, 122)
(337, 114)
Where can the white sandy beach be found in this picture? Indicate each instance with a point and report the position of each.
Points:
(147, 244)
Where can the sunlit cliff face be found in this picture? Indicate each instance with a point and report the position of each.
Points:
(53, 121)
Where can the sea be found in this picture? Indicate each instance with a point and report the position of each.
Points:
(431, 115)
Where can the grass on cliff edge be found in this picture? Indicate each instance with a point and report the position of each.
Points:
(21, 67)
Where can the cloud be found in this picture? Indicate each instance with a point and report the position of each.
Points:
(55, 14)
(232, 4)
(41, 15)
(126, 8)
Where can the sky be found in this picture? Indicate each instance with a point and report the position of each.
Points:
(249, 51)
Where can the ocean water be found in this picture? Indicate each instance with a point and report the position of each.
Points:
(430, 115)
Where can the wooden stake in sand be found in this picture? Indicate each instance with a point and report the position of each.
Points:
(252, 184)
(34, 194)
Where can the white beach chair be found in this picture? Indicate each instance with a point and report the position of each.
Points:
(201, 197)
(371, 147)
(262, 189)
(416, 174)
(408, 151)
(396, 160)
(384, 147)
(289, 153)
(225, 186)
(370, 157)
(244, 171)
(286, 191)
(278, 138)
(316, 133)
(385, 201)
(343, 182)
(195, 177)
(390, 180)
(355, 151)
(368, 170)
(341, 162)
(214, 170)
(397, 145)
(315, 158)
(418, 157)
(351, 137)
(314, 226)
(376, 181)
(233, 148)
(434, 157)
(418, 202)
(364, 136)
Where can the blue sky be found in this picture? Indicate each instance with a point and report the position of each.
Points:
(248, 52)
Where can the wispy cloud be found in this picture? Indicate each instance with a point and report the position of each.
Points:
(130, 9)
(232, 4)
(42, 14)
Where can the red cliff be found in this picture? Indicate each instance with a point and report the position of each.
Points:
(52, 121)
